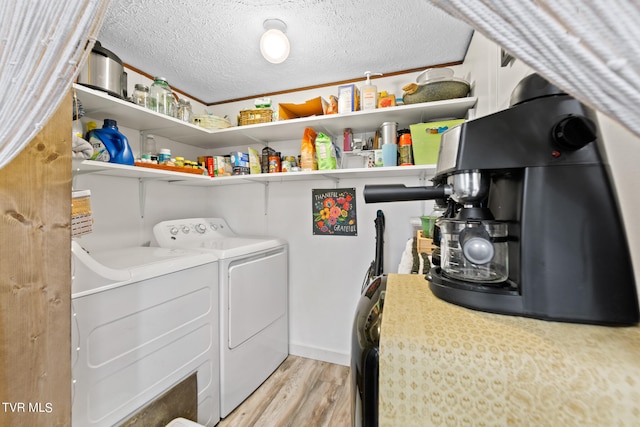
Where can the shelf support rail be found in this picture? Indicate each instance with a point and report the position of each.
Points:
(266, 198)
(142, 196)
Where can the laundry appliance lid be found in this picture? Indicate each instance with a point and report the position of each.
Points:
(146, 262)
(101, 270)
(229, 247)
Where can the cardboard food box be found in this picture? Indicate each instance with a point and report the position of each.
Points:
(313, 107)
(240, 163)
(425, 140)
(348, 98)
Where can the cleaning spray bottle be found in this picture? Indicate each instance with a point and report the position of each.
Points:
(109, 145)
(369, 93)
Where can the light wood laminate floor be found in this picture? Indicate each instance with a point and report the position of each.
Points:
(301, 392)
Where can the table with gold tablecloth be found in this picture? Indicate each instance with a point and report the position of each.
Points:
(441, 364)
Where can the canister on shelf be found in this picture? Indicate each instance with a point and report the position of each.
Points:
(161, 98)
(141, 95)
(347, 140)
(164, 155)
(266, 152)
(274, 163)
(288, 163)
(405, 150)
(149, 149)
(389, 133)
(184, 110)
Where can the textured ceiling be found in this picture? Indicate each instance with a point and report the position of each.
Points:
(210, 49)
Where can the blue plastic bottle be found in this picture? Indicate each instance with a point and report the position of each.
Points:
(109, 145)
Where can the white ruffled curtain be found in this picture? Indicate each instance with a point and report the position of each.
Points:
(591, 49)
(42, 45)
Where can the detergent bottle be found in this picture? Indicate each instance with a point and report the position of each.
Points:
(109, 145)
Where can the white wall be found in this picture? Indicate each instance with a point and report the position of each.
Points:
(326, 272)
(622, 150)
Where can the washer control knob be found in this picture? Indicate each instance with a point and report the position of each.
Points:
(201, 228)
(185, 229)
(173, 230)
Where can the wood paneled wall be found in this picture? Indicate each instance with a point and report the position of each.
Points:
(35, 279)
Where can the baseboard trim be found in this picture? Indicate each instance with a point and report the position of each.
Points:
(321, 354)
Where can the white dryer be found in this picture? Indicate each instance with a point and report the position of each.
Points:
(254, 332)
(143, 320)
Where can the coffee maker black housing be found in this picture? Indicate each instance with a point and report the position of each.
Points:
(568, 257)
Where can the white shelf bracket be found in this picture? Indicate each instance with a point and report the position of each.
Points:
(143, 135)
(142, 196)
(257, 140)
(335, 179)
(266, 198)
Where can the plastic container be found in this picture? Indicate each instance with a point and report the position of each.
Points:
(149, 150)
(77, 128)
(389, 155)
(90, 126)
(425, 139)
(81, 214)
(164, 155)
(109, 145)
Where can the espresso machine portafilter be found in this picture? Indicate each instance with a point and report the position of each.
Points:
(532, 225)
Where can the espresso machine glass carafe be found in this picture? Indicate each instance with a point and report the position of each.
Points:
(532, 225)
(474, 250)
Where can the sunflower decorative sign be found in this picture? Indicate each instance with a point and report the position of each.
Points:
(334, 212)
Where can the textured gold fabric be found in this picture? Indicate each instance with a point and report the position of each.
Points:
(445, 365)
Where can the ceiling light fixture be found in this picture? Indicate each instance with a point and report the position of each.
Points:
(274, 44)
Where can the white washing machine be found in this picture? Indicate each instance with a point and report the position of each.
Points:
(144, 319)
(254, 332)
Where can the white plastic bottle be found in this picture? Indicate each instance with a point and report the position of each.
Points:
(369, 93)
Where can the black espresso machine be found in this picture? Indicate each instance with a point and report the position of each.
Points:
(532, 226)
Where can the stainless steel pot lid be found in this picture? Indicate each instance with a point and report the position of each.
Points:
(97, 48)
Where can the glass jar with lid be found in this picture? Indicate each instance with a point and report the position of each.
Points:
(184, 110)
(161, 97)
(140, 95)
